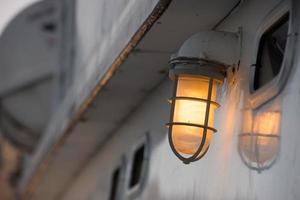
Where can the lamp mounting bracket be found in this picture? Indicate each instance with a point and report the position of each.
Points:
(208, 53)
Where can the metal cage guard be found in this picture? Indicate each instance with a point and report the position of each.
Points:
(197, 155)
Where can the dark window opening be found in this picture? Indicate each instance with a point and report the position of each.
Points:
(137, 166)
(49, 27)
(271, 52)
(114, 184)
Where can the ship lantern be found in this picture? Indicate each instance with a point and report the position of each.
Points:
(197, 73)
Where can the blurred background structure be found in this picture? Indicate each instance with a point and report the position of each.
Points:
(83, 100)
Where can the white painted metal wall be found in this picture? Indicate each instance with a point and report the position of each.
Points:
(221, 174)
(103, 30)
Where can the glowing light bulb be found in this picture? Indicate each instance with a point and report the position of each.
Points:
(194, 96)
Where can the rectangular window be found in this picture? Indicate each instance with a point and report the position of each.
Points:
(137, 166)
(114, 184)
(271, 50)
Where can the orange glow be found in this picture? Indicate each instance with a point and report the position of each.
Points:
(247, 121)
(186, 138)
(262, 144)
(267, 123)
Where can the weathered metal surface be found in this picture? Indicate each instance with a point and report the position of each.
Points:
(92, 132)
(122, 95)
(90, 74)
(221, 174)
